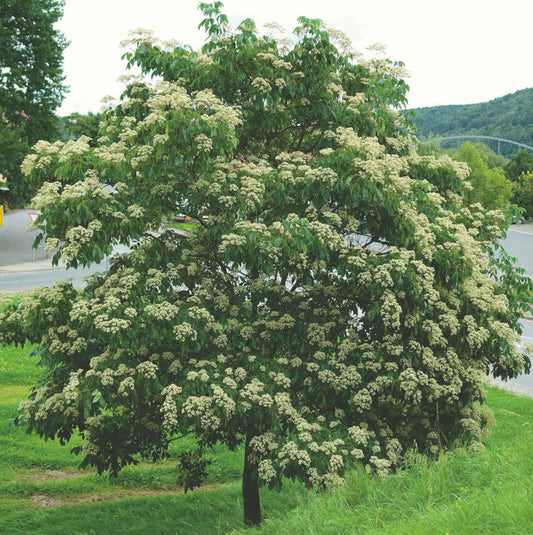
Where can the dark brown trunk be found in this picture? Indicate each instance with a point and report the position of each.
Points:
(250, 490)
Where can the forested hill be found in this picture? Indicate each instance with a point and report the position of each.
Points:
(509, 117)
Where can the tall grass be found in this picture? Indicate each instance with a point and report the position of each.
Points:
(462, 493)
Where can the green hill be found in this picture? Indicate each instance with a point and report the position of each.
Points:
(508, 117)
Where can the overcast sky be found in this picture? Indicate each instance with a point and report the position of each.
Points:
(457, 51)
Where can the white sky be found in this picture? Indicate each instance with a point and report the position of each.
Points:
(457, 51)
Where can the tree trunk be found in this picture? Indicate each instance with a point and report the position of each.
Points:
(250, 489)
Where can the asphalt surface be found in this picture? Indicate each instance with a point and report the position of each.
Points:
(25, 268)
(16, 242)
(21, 279)
(519, 244)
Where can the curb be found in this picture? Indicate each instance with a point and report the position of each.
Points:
(28, 267)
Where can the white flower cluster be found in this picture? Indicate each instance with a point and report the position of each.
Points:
(164, 311)
(78, 236)
(184, 332)
(203, 143)
(48, 195)
(148, 370)
(169, 407)
(262, 85)
(74, 149)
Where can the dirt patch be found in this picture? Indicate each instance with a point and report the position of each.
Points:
(38, 475)
(47, 501)
(44, 500)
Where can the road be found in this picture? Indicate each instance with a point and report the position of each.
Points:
(19, 281)
(16, 241)
(24, 268)
(519, 244)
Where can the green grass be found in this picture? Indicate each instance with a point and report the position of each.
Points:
(17, 367)
(183, 226)
(42, 491)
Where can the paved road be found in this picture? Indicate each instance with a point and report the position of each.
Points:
(16, 241)
(24, 268)
(519, 244)
(20, 280)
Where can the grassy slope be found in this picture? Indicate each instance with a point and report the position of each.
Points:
(462, 493)
(484, 493)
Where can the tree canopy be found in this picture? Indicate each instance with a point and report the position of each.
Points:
(31, 80)
(336, 302)
(489, 186)
(487, 183)
(75, 125)
(519, 164)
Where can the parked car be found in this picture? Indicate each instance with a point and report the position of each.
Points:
(517, 219)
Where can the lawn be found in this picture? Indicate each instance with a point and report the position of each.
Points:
(186, 226)
(42, 490)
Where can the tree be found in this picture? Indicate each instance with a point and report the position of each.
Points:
(13, 150)
(336, 302)
(489, 187)
(518, 170)
(493, 160)
(523, 193)
(519, 164)
(31, 78)
(75, 125)
(487, 184)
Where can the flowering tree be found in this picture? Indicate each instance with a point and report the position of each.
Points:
(335, 302)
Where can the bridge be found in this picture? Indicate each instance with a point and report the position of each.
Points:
(491, 138)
